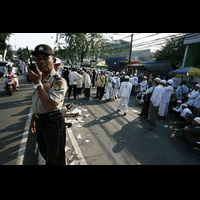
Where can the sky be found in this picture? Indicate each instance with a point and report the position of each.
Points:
(33, 39)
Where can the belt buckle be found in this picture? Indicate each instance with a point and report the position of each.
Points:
(36, 116)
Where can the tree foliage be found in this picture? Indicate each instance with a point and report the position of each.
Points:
(79, 45)
(173, 51)
(3, 44)
(23, 54)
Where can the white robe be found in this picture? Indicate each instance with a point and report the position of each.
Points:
(124, 94)
(87, 81)
(156, 96)
(192, 96)
(109, 89)
(163, 108)
(143, 86)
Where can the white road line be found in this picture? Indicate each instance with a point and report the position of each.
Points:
(76, 147)
(22, 149)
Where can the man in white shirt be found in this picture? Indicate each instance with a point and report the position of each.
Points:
(124, 94)
(73, 77)
(154, 102)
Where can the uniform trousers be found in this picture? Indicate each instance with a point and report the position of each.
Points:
(51, 136)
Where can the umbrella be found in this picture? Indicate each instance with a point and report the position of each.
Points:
(186, 71)
(100, 65)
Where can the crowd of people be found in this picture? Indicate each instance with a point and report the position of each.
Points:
(114, 85)
(159, 97)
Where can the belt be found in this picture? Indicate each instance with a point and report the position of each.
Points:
(45, 115)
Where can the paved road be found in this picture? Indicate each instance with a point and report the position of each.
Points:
(105, 137)
(109, 138)
(13, 115)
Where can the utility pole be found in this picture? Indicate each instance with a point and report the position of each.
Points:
(131, 48)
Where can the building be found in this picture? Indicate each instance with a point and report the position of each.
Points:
(141, 55)
(192, 50)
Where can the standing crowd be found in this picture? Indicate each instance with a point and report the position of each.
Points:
(50, 89)
(115, 85)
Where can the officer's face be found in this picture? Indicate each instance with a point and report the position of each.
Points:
(45, 62)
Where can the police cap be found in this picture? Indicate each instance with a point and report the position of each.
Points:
(43, 48)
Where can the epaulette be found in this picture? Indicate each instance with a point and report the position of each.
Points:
(58, 77)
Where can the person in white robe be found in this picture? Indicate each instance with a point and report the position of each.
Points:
(143, 84)
(124, 94)
(196, 110)
(134, 82)
(117, 85)
(109, 88)
(154, 102)
(192, 96)
(163, 108)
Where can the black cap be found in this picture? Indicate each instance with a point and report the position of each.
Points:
(43, 48)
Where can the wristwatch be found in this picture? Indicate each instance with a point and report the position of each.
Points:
(37, 85)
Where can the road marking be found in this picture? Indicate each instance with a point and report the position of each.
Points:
(22, 149)
(76, 147)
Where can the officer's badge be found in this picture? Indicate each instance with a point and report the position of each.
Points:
(46, 85)
(57, 86)
(41, 48)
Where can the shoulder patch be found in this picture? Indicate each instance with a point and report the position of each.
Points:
(58, 85)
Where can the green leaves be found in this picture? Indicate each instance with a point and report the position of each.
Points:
(172, 51)
(78, 45)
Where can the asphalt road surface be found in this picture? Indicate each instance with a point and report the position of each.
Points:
(100, 136)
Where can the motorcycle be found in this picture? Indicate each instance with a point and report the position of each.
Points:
(10, 85)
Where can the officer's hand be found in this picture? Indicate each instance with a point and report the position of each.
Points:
(35, 78)
(33, 126)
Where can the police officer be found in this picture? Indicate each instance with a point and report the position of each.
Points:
(47, 121)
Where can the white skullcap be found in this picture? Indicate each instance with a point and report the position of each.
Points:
(127, 77)
(184, 104)
(197, 85)
(157, 80)
(170, 81)
(163, 81)
(58, 61)
(197, 119)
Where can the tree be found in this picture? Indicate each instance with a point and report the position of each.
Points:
(23, 54)
(79, 45)
(173, 51)
(3, 44)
